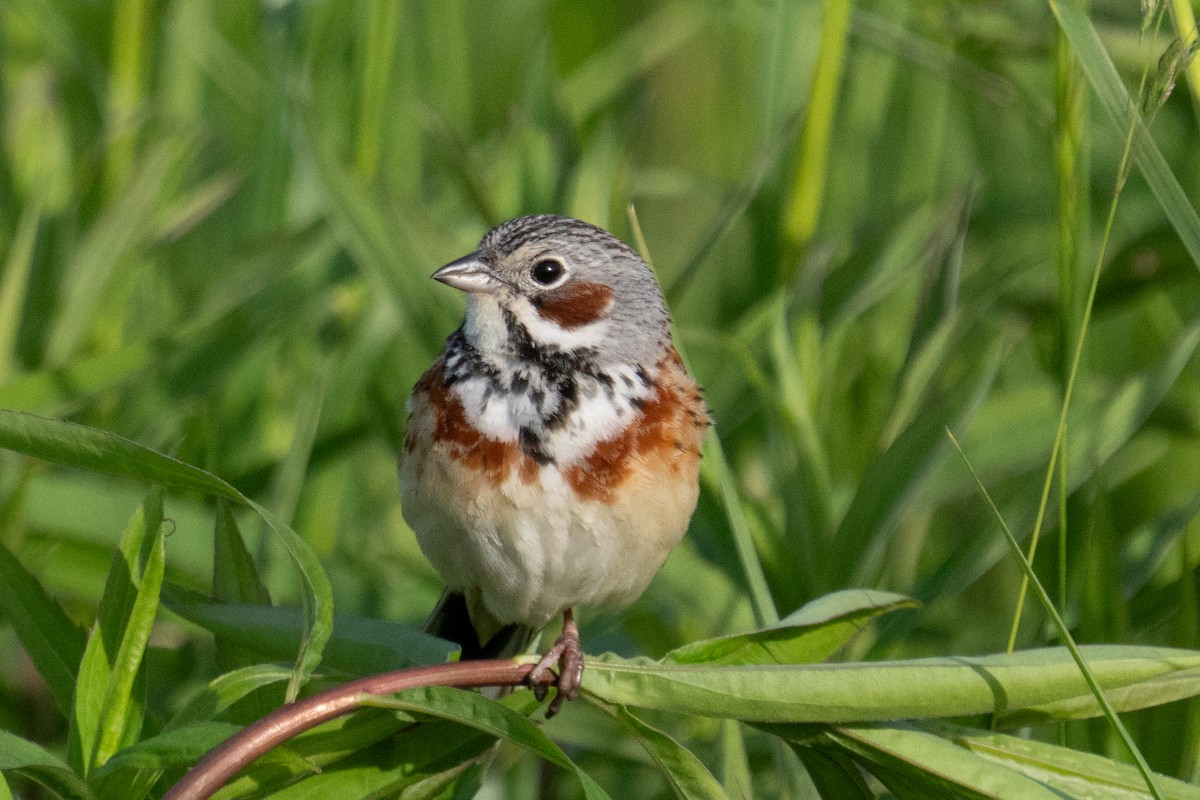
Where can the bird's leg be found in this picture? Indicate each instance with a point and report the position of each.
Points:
(567, 654)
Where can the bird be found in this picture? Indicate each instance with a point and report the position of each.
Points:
(551, 454)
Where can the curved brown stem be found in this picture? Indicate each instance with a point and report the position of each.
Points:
(236, 752)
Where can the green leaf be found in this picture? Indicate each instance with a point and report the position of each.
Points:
(1070, 771)
(54, 643)
(890, 481)
(683, 771)
(833, 773)
(179, 747)
(28, 759)
(358, 645)
(90, 448)
(225, 690)
(235, 577)
(810, 634)
(110, 693)
(476, 711)
(935, 766)
(1123, 113)
(101, 451)
(1034, 684)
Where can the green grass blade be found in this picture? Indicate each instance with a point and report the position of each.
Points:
(922, 760)
(235, 577)
(358, 645)
(833, 773)
(1122, 112)
(14, 280)
(810, 634)
(54, 643)
(475, 711)
(1070, 771)
(32, 761)
(803, 209)
(715, 472)
(1085, 669)
(109, 696)
(683, 771)
(101, 451)
(225, 690)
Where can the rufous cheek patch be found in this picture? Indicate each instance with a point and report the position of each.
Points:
(574, 304)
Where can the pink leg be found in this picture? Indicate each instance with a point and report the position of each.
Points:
(567, 654)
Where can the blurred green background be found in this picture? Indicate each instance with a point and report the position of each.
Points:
(218, 218)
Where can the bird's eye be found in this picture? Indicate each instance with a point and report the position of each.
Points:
(547, 271)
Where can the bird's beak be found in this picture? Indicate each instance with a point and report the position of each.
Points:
(469, 274)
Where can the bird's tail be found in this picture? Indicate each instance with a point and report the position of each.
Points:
(450, 620)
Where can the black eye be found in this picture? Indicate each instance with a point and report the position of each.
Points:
(547, 271)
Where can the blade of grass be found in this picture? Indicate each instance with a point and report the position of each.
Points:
(13, 282)
(803, 209)
(1185, 28)
(476, 711)
(1115, 100)
(1132, 131)
(383, 27)
(110, 693)
(715, 472)
(94, 449)
(54, 643)
(1063, 632)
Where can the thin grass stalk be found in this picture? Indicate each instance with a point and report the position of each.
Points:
(1123, 171)
(14, 281)
(1070, 131)
(1069, 641)
(125, 87)
(803, 209)
(714, 470)
(383, 28)
(1185, 28)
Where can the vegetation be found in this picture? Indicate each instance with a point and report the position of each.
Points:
(876, 223)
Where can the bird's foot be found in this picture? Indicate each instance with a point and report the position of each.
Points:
(567, 654)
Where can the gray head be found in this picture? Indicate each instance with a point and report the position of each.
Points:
(568, 284)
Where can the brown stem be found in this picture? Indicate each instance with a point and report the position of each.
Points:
(236, 752)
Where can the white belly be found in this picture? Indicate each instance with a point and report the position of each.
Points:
(528, 550)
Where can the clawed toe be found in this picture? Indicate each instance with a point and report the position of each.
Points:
(567, 655)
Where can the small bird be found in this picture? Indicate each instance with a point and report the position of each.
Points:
(552, 452)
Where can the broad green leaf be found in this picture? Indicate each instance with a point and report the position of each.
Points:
(358, 645)
(923, 760)
(235, 577)
(683, 771)
(28, 759)
(101, 451)
(225, 690)
(891, 479)
(110, 692)
(179, 747)
(496, 719)
(1123, 113)
(1070, 771)
(810, 634)
(1043, 684)
(434, 752)
(54, 643)
(833, 773)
